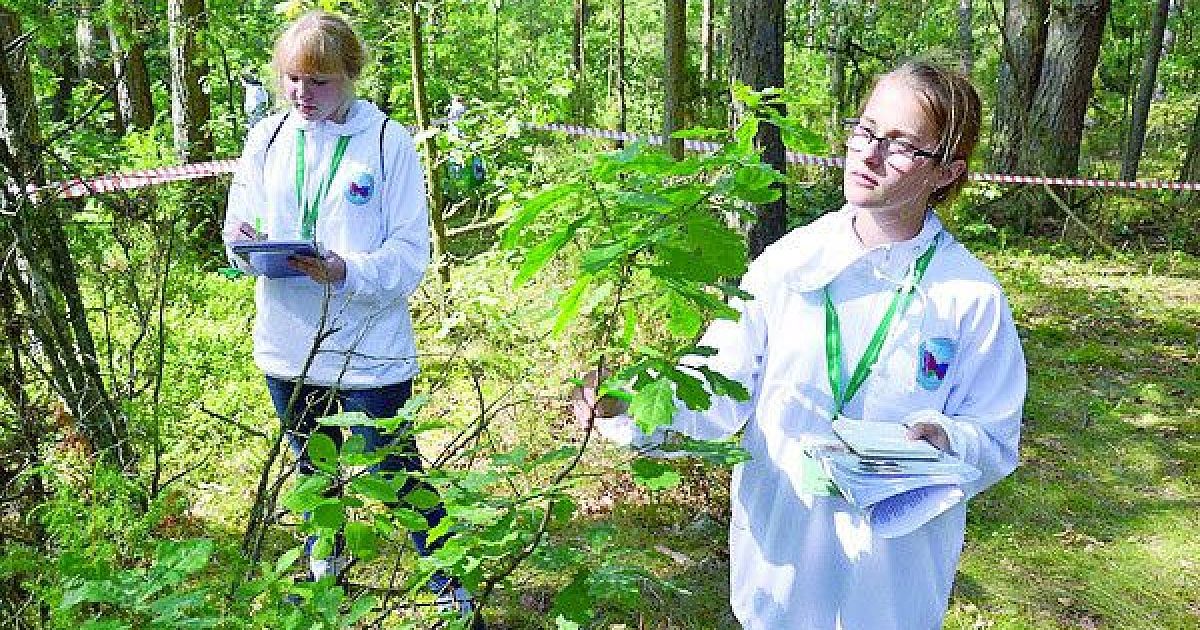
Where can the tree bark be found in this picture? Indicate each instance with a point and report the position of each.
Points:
(1146, 84)
(1190, 170)
(622, 105)
(674, 51)
(1055, 126)
(92, 38)
(127, 38)
(757, 36)
(707, 32)
(1023, 45)
(433, 179)
(63, 60)
(190, 108)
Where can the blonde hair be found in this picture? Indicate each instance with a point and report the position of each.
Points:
(953, 107)
(320, 43)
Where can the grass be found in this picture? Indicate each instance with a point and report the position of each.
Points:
(1096, 529)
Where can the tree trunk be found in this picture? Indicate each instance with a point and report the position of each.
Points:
(63, 61)
(674, 80)
(190, 109)
(1055, 127)
(433, 179)
(1146, 84)
(1190, 170)
(91, 39)
(966, 39)
(127, 38)
(43, 272)
(757, 35)
(839, 38)
(581, 99)
(622, 106)
(707, 32)
(1023, 45)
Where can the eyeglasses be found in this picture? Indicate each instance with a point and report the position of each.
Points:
(899, 153)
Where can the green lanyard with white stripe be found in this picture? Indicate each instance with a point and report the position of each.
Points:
(311, 207)
(833, 335)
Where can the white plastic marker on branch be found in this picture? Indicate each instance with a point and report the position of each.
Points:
(137, 179)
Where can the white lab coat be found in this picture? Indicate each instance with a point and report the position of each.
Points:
(813, 562)
(378, 226)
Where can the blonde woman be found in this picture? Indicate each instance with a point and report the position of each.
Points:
(336, 334)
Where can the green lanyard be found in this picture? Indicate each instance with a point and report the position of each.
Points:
(833, 335)
(311, 207)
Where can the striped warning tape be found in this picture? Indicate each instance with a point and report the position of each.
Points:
(137, 179)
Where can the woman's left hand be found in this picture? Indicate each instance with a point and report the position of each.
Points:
(930, 432)
(328, 269)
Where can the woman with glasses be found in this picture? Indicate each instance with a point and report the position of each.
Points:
(873, 312)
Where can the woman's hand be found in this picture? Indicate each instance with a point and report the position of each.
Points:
(586, 408)
(242, 232)
(328, 269)
(930, 432)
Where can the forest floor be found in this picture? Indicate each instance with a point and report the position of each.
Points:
(1097, 528)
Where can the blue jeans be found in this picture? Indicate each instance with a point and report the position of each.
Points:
(316, 401)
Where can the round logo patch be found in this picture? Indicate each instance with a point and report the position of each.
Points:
(361, 188)
(933, 361)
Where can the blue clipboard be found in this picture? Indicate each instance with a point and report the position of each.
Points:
(270, 258)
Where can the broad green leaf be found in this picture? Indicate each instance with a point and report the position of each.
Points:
(653, 474)
(410, 519)
(422, 498)
(516, 457)
(186, 556)
(744, 134)
(534, 206)
(564, 509)
(689, 389)
(374, 487)
(331, 514)
(361, 540)
(322, 452)
(364, 604)
(653, 406)
(173, 606)
(683, 318)
(573, 604)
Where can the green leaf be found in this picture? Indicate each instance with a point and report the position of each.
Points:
(745, 133)
(374, 487)
(689, 389)
(599, 258)
(718, 452)
(514, 458)
(347, 419)
(654, 475)
(568, 306)
(410, 519)
(331, 514)
(361, 540)
(186, 556)
(653, 406)
(322, 452)
(104, 624)
(289, 557)
(422, 498)
(364, 604)
(722, 385)
(683, 318)
(532, 207)
(540, 255)
(573, 604)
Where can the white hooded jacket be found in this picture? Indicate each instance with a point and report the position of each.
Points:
(374, 216)
(807, 561)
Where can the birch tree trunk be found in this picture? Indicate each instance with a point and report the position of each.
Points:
(190, 108)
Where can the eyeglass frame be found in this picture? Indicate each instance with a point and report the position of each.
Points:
(853, 124)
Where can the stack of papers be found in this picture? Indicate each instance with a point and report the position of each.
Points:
(270, 258)
(882, 440)
(898, 483)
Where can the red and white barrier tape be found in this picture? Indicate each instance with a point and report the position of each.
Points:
(137, 179)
